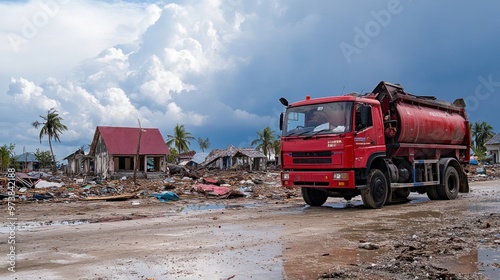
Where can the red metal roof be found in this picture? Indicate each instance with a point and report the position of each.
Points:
(188, 155)
(123, 140)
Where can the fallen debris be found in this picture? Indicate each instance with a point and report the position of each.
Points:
(166, 196)
(41, 184)
(368, 246)
(112, 198)
(217, 191)
(26, 180)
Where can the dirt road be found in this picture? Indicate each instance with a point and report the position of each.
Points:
(257, 239)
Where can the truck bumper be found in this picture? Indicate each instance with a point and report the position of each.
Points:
(318, 179)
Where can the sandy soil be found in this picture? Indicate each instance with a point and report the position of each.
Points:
(268, 237)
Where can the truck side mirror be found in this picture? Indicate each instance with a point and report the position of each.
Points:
(366, 115)
(281, 121)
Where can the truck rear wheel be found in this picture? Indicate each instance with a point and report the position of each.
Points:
(451, 184)
(314, 197)
(432, 193)
(375, 194)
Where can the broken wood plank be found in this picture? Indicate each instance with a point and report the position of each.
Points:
(112, 197)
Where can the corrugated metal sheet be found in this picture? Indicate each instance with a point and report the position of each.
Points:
(188, 155)
(232, 151)
(494, 141)
(28, 157)
(249, 152)
(123, 140)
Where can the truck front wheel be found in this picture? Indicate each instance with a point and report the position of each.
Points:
(314, 197)
(375, 194)
(448, 190)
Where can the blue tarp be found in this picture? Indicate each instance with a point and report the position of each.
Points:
(166, 196)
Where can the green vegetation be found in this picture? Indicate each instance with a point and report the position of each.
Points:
(265, 141)
(52, 127)
(6, 156)
(180, 139)
(172, 156)
(44, 157)
(204, 144)
(277, 147)
(481, 133)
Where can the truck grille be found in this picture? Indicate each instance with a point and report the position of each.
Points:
(311, 160)
(312, 154)
(322, 157)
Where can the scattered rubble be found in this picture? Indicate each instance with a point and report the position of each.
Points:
(416, 256)
(484, 172)
(182, 182)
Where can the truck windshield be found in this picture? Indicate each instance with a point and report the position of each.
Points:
(324, 118)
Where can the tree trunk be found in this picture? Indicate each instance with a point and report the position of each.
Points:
(54, 169)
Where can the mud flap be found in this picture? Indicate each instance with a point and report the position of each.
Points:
(464, 183)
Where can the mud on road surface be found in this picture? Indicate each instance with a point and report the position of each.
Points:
(248, 238)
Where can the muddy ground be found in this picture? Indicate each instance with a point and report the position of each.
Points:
(269, 234)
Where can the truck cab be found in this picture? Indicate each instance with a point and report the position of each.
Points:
(328, 142)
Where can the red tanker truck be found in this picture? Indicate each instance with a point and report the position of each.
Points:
(382, 146)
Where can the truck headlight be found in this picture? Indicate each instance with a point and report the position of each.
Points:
(285, 176)
(341, 176)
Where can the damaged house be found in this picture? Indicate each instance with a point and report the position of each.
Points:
(236, 158)
(79, 163)
(114, 151)
(493, 148)
(27, 161)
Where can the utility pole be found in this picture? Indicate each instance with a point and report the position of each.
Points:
(136, 159)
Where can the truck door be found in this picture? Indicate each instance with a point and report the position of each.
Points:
(366, 136)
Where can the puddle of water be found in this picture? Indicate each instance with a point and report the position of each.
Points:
(357, 203)
(201, 207)
(344, 205)
(484, 260)
(415, 215)
(487, 205)
(418, 199)
(32, 225)
(489, 262)
(208, 207)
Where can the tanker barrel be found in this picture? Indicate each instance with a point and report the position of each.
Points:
(421, 119)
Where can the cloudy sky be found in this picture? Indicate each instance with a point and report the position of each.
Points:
(219, 66)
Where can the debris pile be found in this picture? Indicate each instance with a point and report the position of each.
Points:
(209, 184)
(486, 172)
(181, 182)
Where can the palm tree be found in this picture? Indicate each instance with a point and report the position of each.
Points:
(52, 127)
(6, 156)
(180, 139)
(204, 144)
(277, 148)
(481, 133)
(265, 141)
